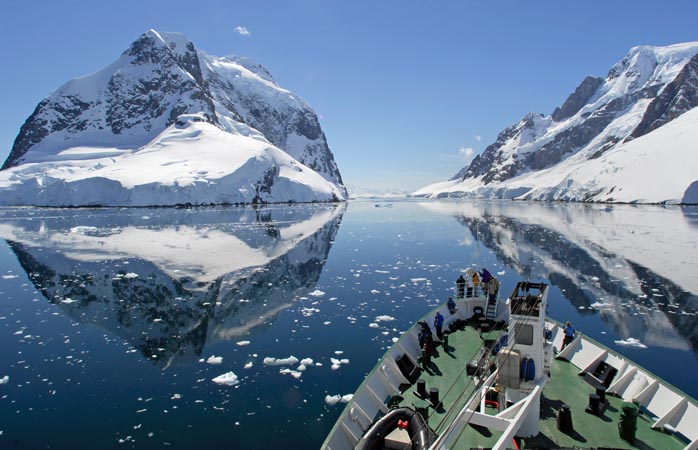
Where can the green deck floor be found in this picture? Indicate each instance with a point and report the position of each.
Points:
(564, 386)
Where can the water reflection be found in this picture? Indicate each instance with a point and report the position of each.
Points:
(172, 281)
(632, 266)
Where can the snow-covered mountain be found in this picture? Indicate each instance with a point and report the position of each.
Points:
(629, 137)
(168, 124)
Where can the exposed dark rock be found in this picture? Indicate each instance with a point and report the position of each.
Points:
(678, 97)
(577, 99)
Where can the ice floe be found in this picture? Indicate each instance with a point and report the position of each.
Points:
(337, 363)
(242, 343)
(214, 359)
(5, 379)
(317, 293)
(384, 319)
(227, 379)
(334, 399)
(631, 342)
(269, 361)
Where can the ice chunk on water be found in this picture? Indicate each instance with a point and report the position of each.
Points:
(317, 293)
(214, 359)
(631, 342)
(385, 319)
(269, 361)
(334, 399)
(293, 373)
(242, 343)
(227, 379)
(5, 379)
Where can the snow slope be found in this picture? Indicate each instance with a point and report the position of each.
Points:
(192, 162)
(659, 167)
(169, 124)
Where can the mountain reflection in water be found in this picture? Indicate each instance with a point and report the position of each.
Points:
(119, 310)
(627, 264)
(171, 281)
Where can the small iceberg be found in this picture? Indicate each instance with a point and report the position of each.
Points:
(227, 379)
(631, 342)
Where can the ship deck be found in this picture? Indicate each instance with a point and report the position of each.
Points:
(447, 373)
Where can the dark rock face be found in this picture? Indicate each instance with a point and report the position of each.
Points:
(577, 99)
(161, 77)
(679, 96)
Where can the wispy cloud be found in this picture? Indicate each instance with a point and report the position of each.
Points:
(242, 31)
(478, 137)
(466, 153)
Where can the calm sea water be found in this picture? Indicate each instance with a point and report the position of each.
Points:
(108, 317)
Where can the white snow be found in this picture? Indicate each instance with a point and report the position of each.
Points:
(198, 163)
(227, 379)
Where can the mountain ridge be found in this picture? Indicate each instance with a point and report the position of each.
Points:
(158, 86)
(646, 90)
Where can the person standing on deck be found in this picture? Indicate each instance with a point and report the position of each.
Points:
(438, 324)
(460, 285)
(451, 305)
(492, 289)
(569, 335)
(476, 282)
(486, 276)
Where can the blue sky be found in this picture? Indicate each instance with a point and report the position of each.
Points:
(402, 88)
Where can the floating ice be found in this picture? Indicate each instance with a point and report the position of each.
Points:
(385, 319)
(501, 273)
(375, 291)
(131, 275)
(248, 365)
(176, 397)
(337, 363)
(9, 277)
(242, 343)
(291, 360)
(373, 325)
(417, 280)
(631, 342)
(68, 300)
(307, 361)
(317, 293)
(5, 379)
(227, 379)
(307, 312)
(214, 359)
(294, 373)
(332, 400)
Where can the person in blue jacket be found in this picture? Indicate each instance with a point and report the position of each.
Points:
(485, 276)
(569, 335)
(438, 324)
